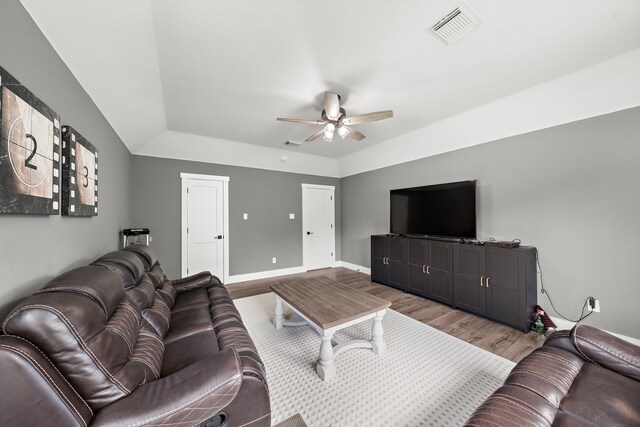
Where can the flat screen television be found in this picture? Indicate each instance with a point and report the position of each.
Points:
(443, 210)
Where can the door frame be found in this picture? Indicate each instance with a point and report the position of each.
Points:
(333, 219)
(184, 177)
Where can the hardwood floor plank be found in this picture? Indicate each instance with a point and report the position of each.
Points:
(499, 339)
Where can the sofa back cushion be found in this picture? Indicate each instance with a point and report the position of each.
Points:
(147, 255)
(92, 332)
(127, 266)
(147, 285)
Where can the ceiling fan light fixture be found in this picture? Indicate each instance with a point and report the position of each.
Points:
(343, 131)
(328, 132)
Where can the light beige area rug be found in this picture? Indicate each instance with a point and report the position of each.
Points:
(425, 378)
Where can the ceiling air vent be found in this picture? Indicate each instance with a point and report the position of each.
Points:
(457, 24)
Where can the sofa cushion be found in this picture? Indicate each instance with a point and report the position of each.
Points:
(190, 299)
(93, 333)
(126, 265)
(604, 397)
(149, 290)
(188, 322)
(146, 253)
(188, 350)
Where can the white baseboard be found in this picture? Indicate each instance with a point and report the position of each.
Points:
(264, 274)
(292, 270)
(565, 324)
(355, 267)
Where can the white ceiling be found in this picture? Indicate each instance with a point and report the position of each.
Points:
(226, 69)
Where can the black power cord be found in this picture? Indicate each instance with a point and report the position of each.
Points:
(544, 291)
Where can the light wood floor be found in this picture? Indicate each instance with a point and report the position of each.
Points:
(499, 339)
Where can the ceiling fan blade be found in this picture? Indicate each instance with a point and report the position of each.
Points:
(354, 134)
(305, 121)
(332, 105)
(315, 135)
(368, 117)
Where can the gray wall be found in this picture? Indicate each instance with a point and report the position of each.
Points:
(573, 191)
(267, 196)
(33, 249)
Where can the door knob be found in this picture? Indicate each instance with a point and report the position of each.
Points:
(218, 236)
(309, 232)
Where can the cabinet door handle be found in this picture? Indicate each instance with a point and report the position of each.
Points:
(488, 281)
(481, 280)
(428, 269)
(423, 268)
(384, 261)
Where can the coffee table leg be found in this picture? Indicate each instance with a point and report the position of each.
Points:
(377, 341)
(279, 315)
(325, 368)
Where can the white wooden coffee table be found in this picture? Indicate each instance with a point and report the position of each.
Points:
(328, 306)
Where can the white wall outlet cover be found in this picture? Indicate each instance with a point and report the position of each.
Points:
(245, 216)
(273, 260)
(292, 216)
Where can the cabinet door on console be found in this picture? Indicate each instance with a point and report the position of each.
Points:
(440, 271)
(468, 279)
(396, 262)
(379, 254)
(416, 256)
(505, 288)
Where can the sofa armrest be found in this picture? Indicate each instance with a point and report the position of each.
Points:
(33, 391)
(200, 280)
(604, 349)
(562, 339)
(186, 397)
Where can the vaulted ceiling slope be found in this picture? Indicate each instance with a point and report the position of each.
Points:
(205, 80)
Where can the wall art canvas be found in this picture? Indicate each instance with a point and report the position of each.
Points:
(29, 151)
(79, 174)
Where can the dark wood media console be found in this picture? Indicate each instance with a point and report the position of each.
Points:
(496, 283)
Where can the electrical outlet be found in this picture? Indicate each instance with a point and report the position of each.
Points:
(245, 216)
(594, 305)
(273, 260)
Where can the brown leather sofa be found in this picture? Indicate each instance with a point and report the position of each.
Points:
(117, 344)
(582, 377)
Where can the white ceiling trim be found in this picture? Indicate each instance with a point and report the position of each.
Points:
(184, 146)
(609, 86)
(606, 87)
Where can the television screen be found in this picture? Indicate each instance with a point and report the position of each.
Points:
(447, 210)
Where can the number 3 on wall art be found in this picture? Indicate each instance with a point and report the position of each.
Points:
(79, 174)
(29, 151)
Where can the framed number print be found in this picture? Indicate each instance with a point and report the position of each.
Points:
(79, 174)
(29, 151)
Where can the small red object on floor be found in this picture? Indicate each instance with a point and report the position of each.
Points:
(546, 320)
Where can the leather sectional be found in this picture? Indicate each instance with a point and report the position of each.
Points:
(582, 377)
(116, 343)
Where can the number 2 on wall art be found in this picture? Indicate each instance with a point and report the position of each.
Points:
(29, 151)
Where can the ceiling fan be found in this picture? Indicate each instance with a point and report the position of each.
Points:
(334, 118)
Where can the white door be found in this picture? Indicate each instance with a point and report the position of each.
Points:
(318, 226)
(204, 228)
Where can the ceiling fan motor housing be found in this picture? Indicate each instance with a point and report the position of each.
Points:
(343, 113)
